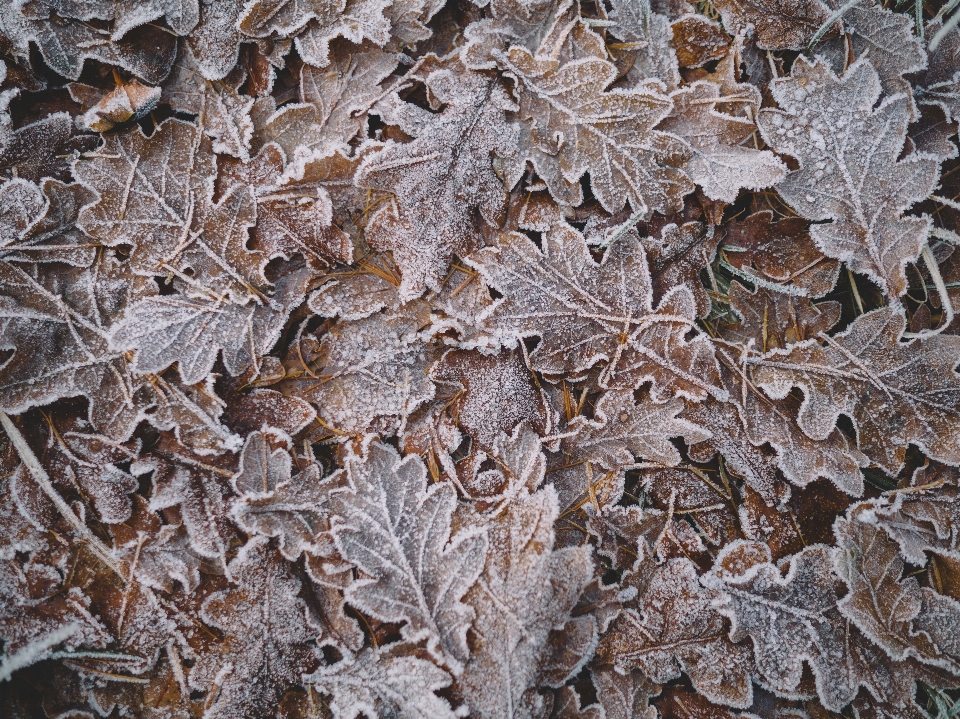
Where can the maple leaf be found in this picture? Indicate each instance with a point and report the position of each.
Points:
(266, 630)
(882, 384)
(790, 618)
(443, 178)
(525, 590)
(586, 312)
(849, 172)
(274, 503)
(674, 627)
(720, 165)
(384, 682)
(624, 431)
(779, 24)
(418, 572)
(316, 22)
(608, 134)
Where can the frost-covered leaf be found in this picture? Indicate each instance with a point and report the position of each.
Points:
(772, 320)
(368, 373)
(274, 503)
(161, 551)
(624, 431)
(498, 393)
(849, 172)
(585, 312)
(316, 22)
(513, 23)
(781, 252)
(939, 83)
(720, 164)
(922, 520)
(384, 683)
(150, 189)
(222, 111)
(191, 332)
(198, 488)
(887, 38)
(790, 619)
(147, 51)
(608, 133)
(444, 182)
(266, 631)
(624, 696)
(103, 112)
(335, 99)
(295, 206)
(674, 627)
(884, 385)
(677, 257)
(57, 324)
(879, 602)
(526, 589)
(398, 532)
(779, 24)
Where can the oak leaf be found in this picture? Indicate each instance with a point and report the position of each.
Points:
(443, 178)
(849, 172)
(881, 383)
(399, 533)
(585, 312)
(266, 629)
(608, 134)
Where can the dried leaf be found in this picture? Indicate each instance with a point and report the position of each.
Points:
(849, 172)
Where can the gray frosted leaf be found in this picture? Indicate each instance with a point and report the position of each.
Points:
(625, 431)
(384, 683)
(274, 503)
(885, 386)
(522, 571)
(444, 181)
(164, 330)
(399, 533)
(720, 164)
(587, 312)
(790, 619)
(372, 372)
(849, 172)
(674, 627)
